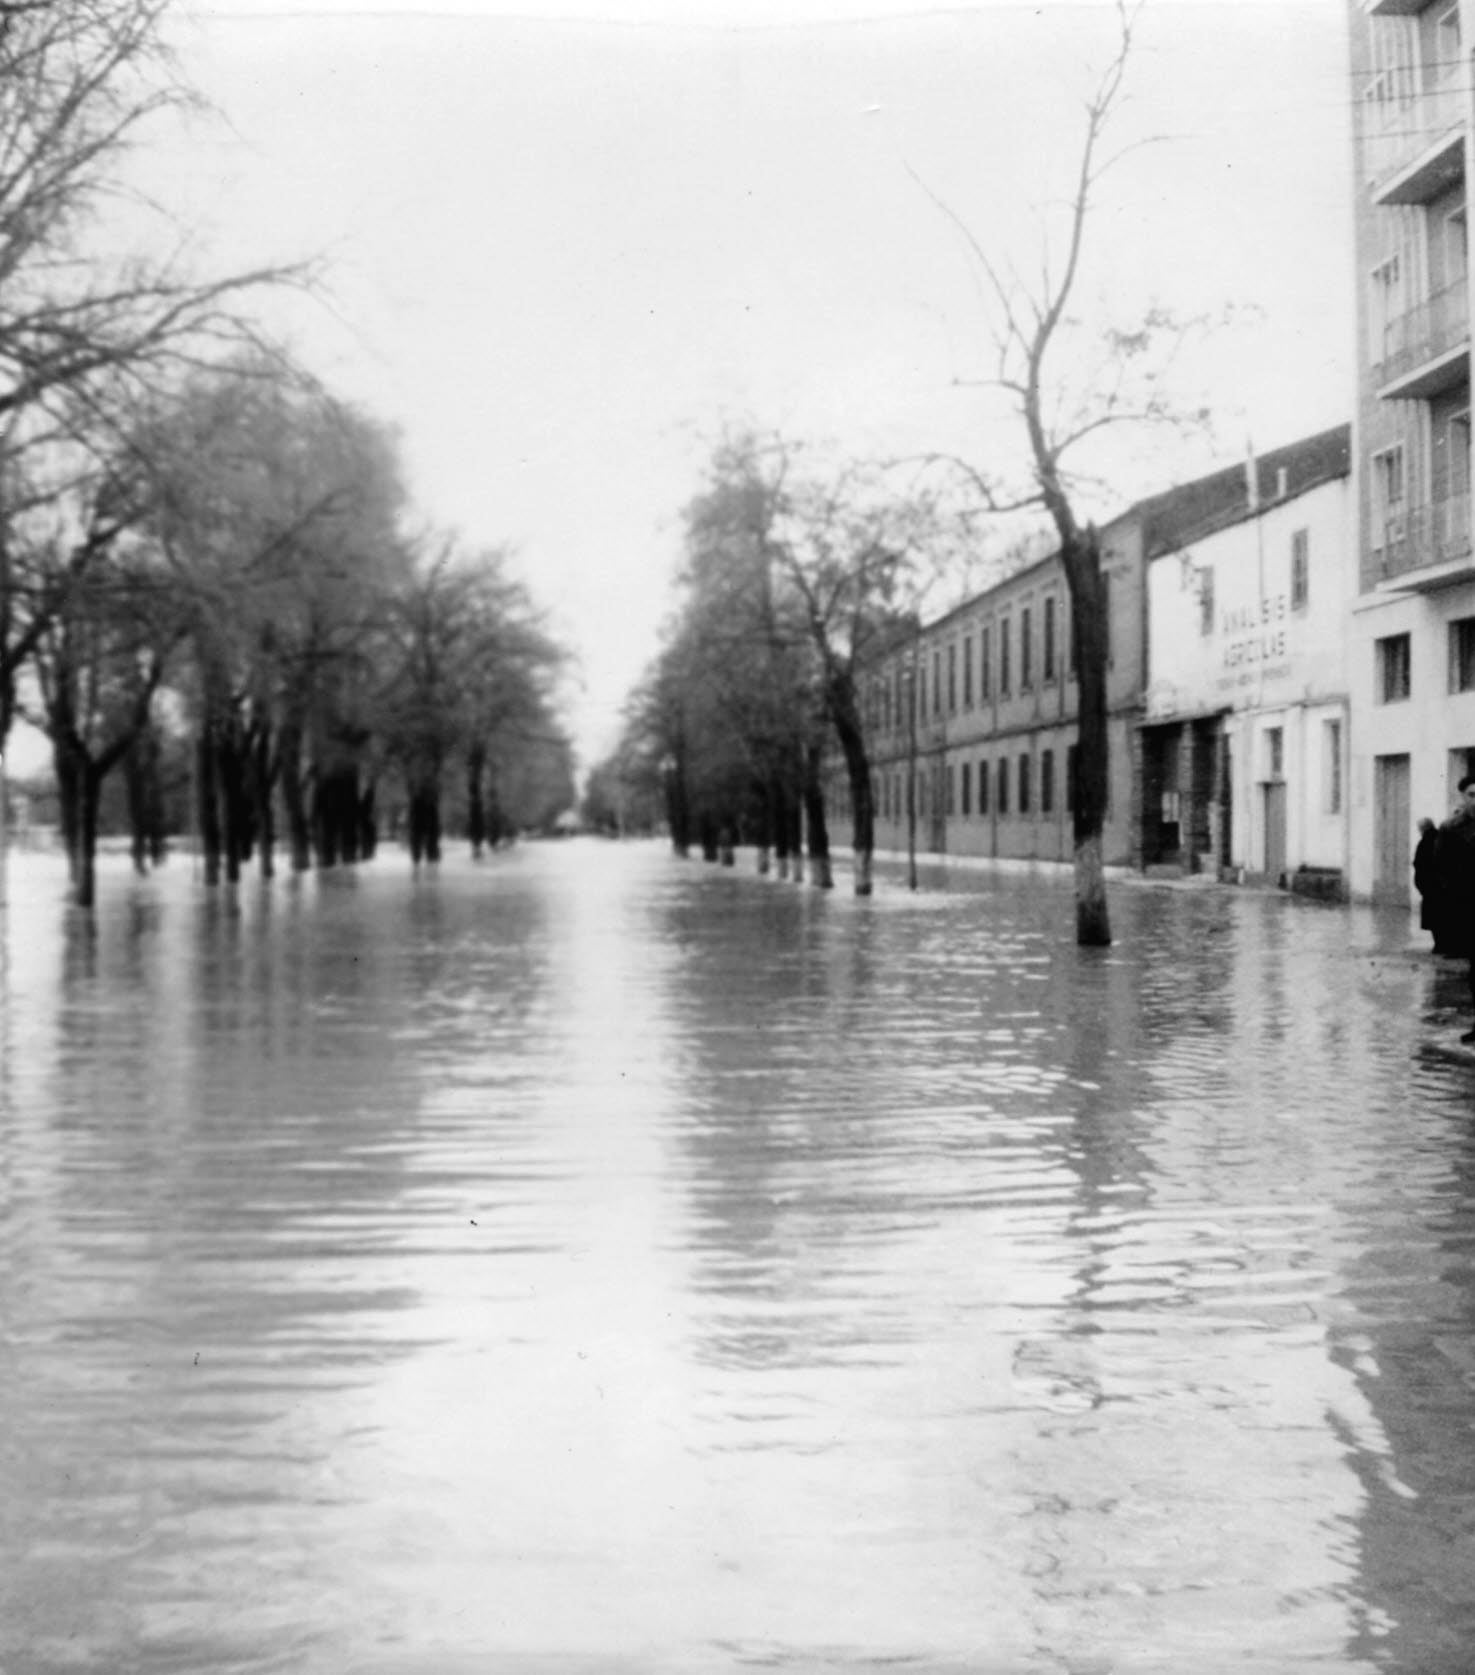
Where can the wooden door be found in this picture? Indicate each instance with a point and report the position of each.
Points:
(1392, 854)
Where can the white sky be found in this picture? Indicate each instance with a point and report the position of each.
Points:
(563, 245)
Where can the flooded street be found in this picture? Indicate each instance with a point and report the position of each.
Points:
(589, 1261)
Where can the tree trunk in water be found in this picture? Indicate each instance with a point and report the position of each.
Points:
(1082, 558)
(848, 727)
(230, 751)
(763, 861)
(346, 812)
(261, 792)
(424, 819)
(476, 820)
(708, 838)
(413, 830)
(84, 872)
(146, 754)
(299, 829)
(794, 808)
(368, 824)
(155, 835)
(207, 808)
(69, 803)
(814, 818)
(432, 822)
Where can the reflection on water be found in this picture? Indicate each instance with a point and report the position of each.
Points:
(590, 1261)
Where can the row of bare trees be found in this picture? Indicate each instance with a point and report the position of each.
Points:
(234, 565)
(797, 576)
(198, 541)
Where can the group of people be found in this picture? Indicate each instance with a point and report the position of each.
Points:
(1444, 875)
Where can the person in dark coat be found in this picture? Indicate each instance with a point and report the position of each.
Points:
(1456, 855)
(1433, 914)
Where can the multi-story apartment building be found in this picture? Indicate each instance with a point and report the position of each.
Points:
(1245, 738)
(1412, 635)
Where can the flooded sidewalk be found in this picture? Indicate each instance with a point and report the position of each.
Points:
(590, 1261)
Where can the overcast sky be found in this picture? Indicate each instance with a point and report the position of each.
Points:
(563, 246)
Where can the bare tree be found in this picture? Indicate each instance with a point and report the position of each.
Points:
(1061, 406)
(83, 326)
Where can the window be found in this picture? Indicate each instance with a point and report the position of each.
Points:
(967, 671)
(985, 673)
(1331, 757)
(1047, 782)
(1205, 599)
(950, 781)
(1388, 496)
(952, 679)
(1446, 43)
(1026, 649)
(1393, 672)
(1003, 658)
(1300, 578)
(964, 790)
(1047, 649)
(1385, 299)
(900, 695)
(937, 683)
(1462, 655)
(1456, 245)
(1275, 762)
(919, 710)
(1070, 778)
(982, 786)
(1024, 784)
(1003, 785)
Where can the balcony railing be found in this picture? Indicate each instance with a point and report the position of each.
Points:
(1407, 120)
(1421, 537)
(1424, 333)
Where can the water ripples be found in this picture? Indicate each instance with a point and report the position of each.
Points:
(584, 1260)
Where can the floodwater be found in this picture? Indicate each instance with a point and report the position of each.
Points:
(589, 1261)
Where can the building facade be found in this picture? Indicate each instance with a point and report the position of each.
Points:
(1246, 731)
(1412, 633)
(971, 722)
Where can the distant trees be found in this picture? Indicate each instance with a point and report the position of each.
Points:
(470, 674)
(796, 579)
(195, 538)
(233, 564)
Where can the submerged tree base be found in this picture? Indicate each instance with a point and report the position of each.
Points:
(1093, 924)
(863, 881)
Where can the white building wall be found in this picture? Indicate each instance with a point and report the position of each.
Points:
(1433, 727)
(1268, 662)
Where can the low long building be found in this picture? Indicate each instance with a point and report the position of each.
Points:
(972, 721)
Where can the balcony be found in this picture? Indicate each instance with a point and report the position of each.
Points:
(1415, 135)
(1425, 547)
(1426, 349)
